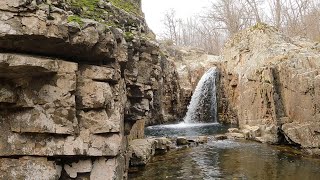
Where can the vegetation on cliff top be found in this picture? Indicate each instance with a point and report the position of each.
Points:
(127, 6)
(75, 18)
(100, 12)
(91, 9)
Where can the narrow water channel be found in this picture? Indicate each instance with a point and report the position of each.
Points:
(226, 159)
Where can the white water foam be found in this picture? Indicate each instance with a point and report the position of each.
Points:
(203, 104)
(182, 125)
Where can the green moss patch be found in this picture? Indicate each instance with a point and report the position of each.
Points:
(127, 6)
(90, 5)
(76, 19)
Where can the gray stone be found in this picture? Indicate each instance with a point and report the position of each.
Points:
(142, 151)
(82, 166)
(31, 168)
(220, 137)
(235, 136)
(233, 130)
(305, 134)
(99, 73)
(162, 144)
(7, 94)
(99, 122)
(182, 141)
(93, 94)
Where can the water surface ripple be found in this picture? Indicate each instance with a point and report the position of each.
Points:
(227, 159)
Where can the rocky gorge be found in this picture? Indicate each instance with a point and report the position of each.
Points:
(80, 80)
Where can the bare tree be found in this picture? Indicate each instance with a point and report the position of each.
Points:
(171, 26)
(226, 17)
(253, 7)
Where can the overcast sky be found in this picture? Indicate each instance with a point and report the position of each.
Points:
(154, 10)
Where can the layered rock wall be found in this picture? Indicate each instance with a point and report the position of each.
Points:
(78, 80)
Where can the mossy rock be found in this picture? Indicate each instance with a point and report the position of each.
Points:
(127, 6)
(75, 18)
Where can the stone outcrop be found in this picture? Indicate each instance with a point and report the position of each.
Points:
(142, 150)
(78, 81)
(270, 85)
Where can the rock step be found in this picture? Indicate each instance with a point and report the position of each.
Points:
(142, 150)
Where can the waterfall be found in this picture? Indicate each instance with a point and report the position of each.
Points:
(203, 104)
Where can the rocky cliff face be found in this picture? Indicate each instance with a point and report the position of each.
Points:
(271, 83)
(190, 64)
(78, 80)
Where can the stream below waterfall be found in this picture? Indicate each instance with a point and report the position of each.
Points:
(225, 159)
(221, 159)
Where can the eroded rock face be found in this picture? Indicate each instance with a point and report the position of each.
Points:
(271, 82)
(190, 65)
(73, 89)
(29, 168)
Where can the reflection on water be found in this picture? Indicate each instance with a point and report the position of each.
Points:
(229, 159)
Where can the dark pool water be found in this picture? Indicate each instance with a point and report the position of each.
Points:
(228, 159)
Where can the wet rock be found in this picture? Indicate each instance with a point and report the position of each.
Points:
(142, 151)
(233, 130)
(235, 136)
(182, 141)
(251, 132)
(202, 139)
(305, 134)
(196, 139)
(220, 137)
(162, 144)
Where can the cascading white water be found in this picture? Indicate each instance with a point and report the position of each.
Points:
(203, 104)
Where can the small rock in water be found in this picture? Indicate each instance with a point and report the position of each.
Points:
(182, 141)
(162, 144)
(202, 139)
(235, 136)
(233, 130)
(220, 137)
(254, 131)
